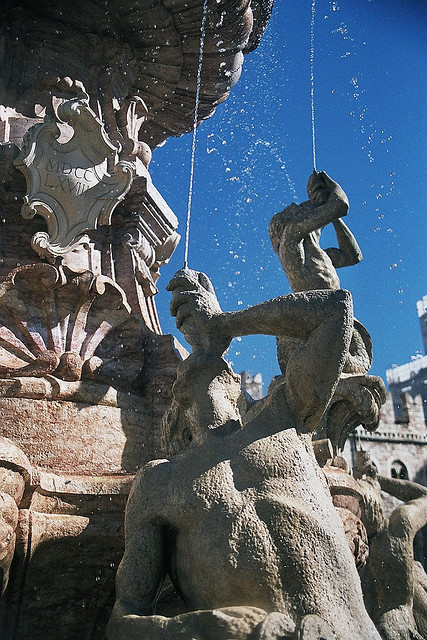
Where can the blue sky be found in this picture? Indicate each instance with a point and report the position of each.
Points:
(254, 157)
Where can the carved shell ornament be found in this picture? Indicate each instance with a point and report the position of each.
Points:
(53, 322)
(68, 184)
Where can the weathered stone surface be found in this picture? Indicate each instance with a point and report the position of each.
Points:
(61, 583)
(67, 525)
(346, 499)
(116, 437)
(420, 599)
(70, 527)
(391, 576)
(70, 520)
(242, 515)
(149, 50)
(15, 475)
(8, 521)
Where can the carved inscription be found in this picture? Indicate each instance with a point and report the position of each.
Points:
(69, 183)
(76, 180)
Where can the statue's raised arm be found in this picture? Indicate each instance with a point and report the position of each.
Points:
(323, 320)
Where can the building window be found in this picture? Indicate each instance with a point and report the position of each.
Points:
(399, 470)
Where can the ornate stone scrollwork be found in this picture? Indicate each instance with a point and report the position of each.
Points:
(68, 184)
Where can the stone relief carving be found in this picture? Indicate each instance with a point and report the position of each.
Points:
(241, 518)
(68, 184)
(55, 321)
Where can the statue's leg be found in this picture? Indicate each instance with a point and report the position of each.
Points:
(314, 369)
(285, 348)
(323, 321)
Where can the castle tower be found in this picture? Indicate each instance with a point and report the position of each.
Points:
(422, 315)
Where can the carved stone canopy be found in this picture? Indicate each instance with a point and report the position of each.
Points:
(118, 48)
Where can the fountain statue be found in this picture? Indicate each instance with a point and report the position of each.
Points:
(241, 518)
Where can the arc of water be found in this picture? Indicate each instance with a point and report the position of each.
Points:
(196, 117)
(313, 130)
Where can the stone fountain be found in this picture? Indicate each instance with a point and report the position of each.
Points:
(87, 91)
(242, 520)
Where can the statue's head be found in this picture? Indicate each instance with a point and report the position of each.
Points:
(364, 465)
(372, 513)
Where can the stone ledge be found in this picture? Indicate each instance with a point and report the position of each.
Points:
(52, 388)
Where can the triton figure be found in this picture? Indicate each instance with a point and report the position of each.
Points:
(241, 518)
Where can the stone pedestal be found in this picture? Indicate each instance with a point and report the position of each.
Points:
(81, 443)
(85, 374)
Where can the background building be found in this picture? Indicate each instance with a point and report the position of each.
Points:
(411, 377)
(398, 447)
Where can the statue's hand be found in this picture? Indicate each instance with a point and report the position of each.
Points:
(320, 187)
(196, 309)
(275, 626)
(280, 626)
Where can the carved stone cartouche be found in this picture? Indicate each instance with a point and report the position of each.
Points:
(68, 184)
